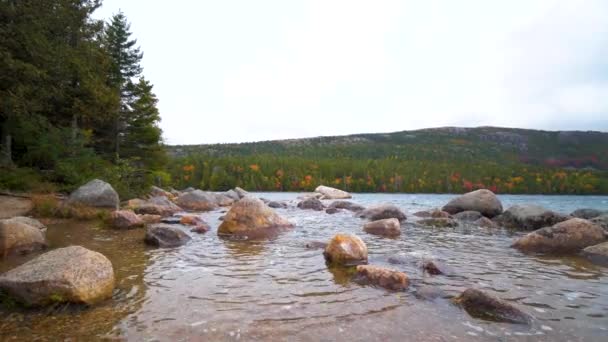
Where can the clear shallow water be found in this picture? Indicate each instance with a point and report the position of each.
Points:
(215, 289)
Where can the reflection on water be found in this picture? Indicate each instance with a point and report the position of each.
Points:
(218, 289)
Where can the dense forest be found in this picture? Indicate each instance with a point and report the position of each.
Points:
(74, 105)
(73, 100)
(431, 160)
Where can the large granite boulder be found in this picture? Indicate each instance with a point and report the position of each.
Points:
(96, 194)
(165, 236)
(346, 249)
(383, 211)
(312, 204)
(482, 305)
(482, 200)
(72, 274)
(198, 200)
(383, 277)
(385, 227)
(564, 237)
(529, 217)
(332, 193)
(251, 218)
(597, 253)
(125, 219)
(17, 237)
(354, 207)
(587, 213)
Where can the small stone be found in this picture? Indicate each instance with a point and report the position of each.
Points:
(163, 235)
(383, 277)
(346, 249)
(386, 227)
(481, 305)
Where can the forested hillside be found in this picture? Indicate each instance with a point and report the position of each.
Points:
(73, 100)
(431, 160)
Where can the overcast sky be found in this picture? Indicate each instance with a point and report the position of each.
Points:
(234, 71)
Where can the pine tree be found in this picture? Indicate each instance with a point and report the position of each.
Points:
(125, 66)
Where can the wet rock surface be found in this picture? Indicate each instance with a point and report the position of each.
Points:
(125, 219)
(71, 274)
(482, 305)
(311, 204)
(383, 211)
(347, 205)
(439, 222)
(483, 201)
(345, 249)
(17, 237)
(383, 277)
(164, 235)
(385, 227)
(564, 237)
(529, 217)
(332, 193)
(251, 218)
(597, 253)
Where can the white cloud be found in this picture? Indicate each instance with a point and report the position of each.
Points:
(243, 71)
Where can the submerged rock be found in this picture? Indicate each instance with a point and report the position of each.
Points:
(17, 237)
(332, 211)
(601, 221)
(586, 213)
(346, 205)
(433, 214)
(150, 219)
(198, 200)
(311, 203)
(277, 205)
(483, 201)
(96, 194)
(316, 245)
(434, 267)
(485, 223)
(568, 236)
(480, 304)
(125, 219)
(468, 216)
(383, 277)
(196, 222)
(345, 249)
(164, 235)
(332, 193)
(597, 253)
(383, 211)
(529, 217)
(439, 222)
(251, 218)
(386, 227)
(71, 274)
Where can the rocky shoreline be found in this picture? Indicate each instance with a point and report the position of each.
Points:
(170, 216)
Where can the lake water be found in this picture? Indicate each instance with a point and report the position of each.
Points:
(213, 289)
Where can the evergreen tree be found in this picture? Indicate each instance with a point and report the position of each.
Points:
(125, 67)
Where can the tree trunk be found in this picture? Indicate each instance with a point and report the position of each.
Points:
(6, 157)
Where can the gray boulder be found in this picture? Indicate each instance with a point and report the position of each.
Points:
(71, 274)
(564, 237)
(27, 220)
(97, 194)
(586, 213)
(529, 217)
(241, 192)
(277, 205)
(483, 201)
(383, 211)
(601, 221)
(163, 235)
(198, 200)
(232, 194)
(354, 207)
(311, 203)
